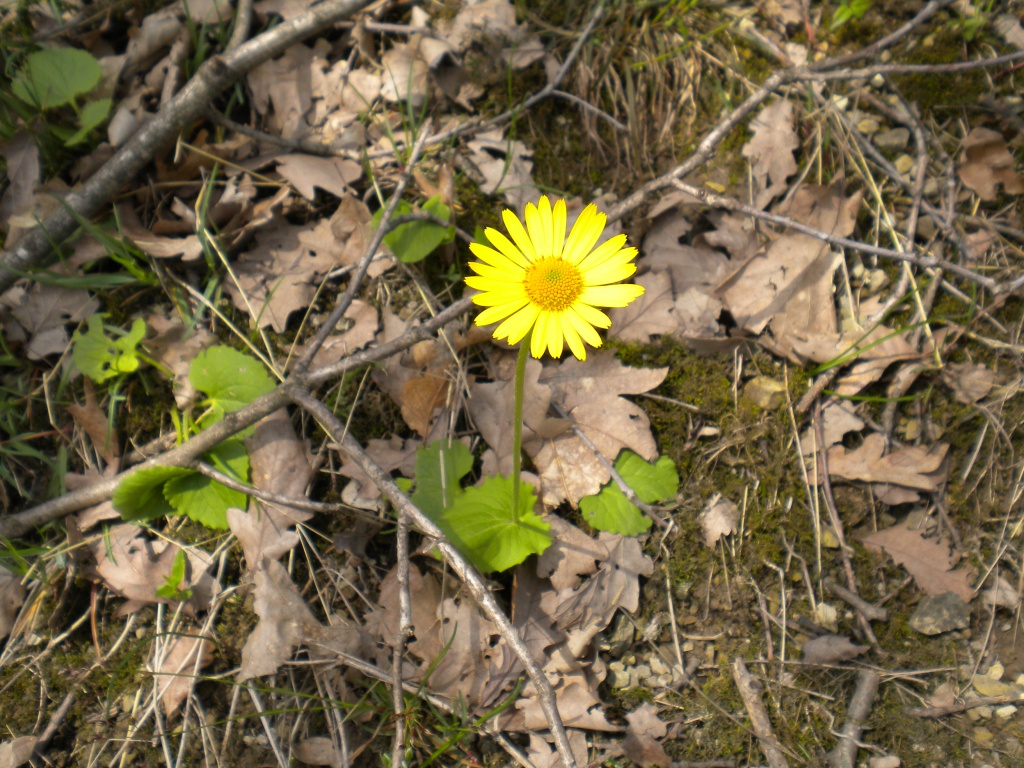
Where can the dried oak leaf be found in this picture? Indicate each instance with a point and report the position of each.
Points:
(285, 83)
(928, 560)
(174, 347)
(307, 172)
(390, 455)
(719, 518)
(506, 167)
(23, 172)
(43, 311)
(17, 751)
(285, 621)
(650, 315)
(986, 162)
(589, 392)
(12, 595)
(93, 420)
(175, 675)
(405, 76)
(189, 248)
(771, 149)
(831, 649)
(544, 755)
(364, 322)
(911, 466)
(135, 567)
(970, 382)
(642, 744)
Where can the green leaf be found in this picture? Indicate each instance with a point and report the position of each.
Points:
(170, 590)
(611, 511)
(650, 482)
(230, 379)
(92, 114)
(483, 526)
(416, 240)
(55, 76)
(205, 500)
(102, 357)
(140, 496)
(439, 468)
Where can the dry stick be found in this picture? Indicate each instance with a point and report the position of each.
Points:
(845, 753)
(212, 78)
(336, 430)
(12, 526)
(866, 73)
(403, 635)
(871, 611)
(356, 281)
(964, 705)
(923, 261)
(833, 513)
(750, 693)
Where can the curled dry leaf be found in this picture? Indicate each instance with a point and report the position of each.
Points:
(719, 518)
(831, 649)
(644, 733)
(589, 392)
(189, 248)
(506, 167)
(135, 567)
(770, 150)
(986, 163)
(970, 382)
(17, 751)
(178, 667)
(928, 560)
(911, 466)
(12, 595)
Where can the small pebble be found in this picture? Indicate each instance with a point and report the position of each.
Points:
(868, 126)
(1006, 711)
(904, 164)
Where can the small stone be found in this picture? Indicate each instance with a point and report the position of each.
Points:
(642, 671)
(658, 666)
(983, 736)
(1006, 711)
(868, 126)
(929, 42)
(941, 613)
(826, 615)
(904, 164)
(926, 228)
(619, 637)
(893, 139)
(889, 761)
(840, 102)
(931, 188)
(878, 81)
(767, 394)
(618, 675)
(996, 671)
(875, 281)
(688, 647)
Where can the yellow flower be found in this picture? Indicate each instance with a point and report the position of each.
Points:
(541, 280)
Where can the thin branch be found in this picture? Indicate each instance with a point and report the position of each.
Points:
(483, 597)
(845, 753)
(750, 693)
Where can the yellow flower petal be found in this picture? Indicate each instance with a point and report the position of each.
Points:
(605, 251)
(572, 336)
(539, 229)
(518, 234)
(496, 258)
(539, 340)
(604, 275)
(558, 228)
(499, 312)
(518, 325)
(585, 233)
(584, 328)
(506, 247)
(611, 295)
(595, 317)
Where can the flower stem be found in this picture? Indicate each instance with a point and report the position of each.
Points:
(517, 422)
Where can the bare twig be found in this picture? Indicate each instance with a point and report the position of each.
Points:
(750, 693)
(872, 612)
(845, 753)
(965, 704)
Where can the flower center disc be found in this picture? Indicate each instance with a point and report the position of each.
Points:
(552, 283)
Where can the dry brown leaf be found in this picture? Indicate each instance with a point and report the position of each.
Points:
(43, 311)
(838, 418)
(663, 249)
(732, 232)
(12, 595)
(188, 248)
(284, 83)
(134, 567)
(589, 392)
(491, 405)
(405, 75)
(363, 321)
(285, 621)
(177, 673)
(719, 518)
(506, 167)
(986, 163)
(1002, 594)
(928, 560)
(17, 751)
(93, 420)
(911, 466)
(331, 174)
(174, 347)
(544, 755)
(390, 455)
(23, 172)
(831, 649)
(770, 150)
(970, 382)
(650, 315)
(571, 556)
(318, 750)
(491, 23)
(642, 743)
(1009, 28)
